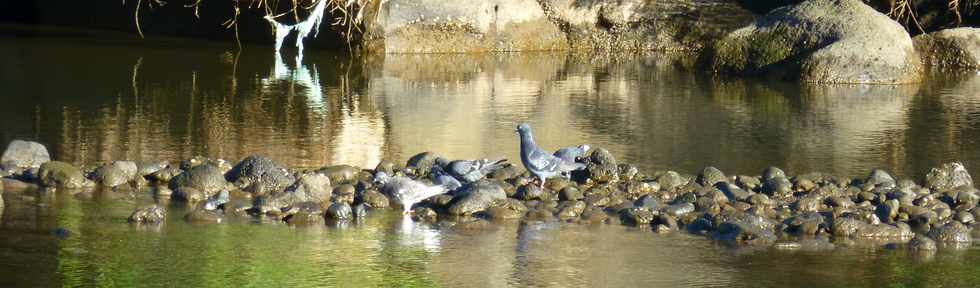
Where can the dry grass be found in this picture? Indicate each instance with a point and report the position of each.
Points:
(904, 12)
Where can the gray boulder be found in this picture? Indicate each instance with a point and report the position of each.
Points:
(24, 155)
(954, 232)
(260, 175)
(478, 196)
(711, 175)
(823, 41)
(955, 48)
(198, 183)
(949, 176)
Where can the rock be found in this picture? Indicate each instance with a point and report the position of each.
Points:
(422, 163)
(878, 178)
(671, 180)
(166, 174)
(807, 224)
(149, 214)
(424, 214)
(502, 213)
(637, 216)
(922, 243)
(116, 173)
(570, 193)
(777, 187)
(146, 168)
(344, 193)
(530, 192)
(204, 216)
(479, 195)
(808, 204)
(679, 209)
(846, 226)
(954, 232)
(313, 187)
(570, 209)
(61, 175)
(953, 48)
(711, 175)
(745, 230)
(508, 172)
(198, 183)
(260, 175)
(601, 166)
(303, 213)
(628, 171)
(375, 199)
(339, 174)
(823, 41)
(748, 183)
(771, 173)
(733, 192)
(648, 202)
(339, 211)
(949, 176)
(23, 155)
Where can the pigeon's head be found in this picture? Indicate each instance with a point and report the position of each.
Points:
(584, 148)
(523, 128)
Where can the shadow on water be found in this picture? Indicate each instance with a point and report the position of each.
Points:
(92, 103)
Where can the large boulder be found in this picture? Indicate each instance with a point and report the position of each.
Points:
(198, 183)
(823, 41)
(61, 175)
(310, 188)
(260, 175)
(432, 26)
(478, 196)
(601, 166)
(522, 25)
(957, 48)
(24, 155)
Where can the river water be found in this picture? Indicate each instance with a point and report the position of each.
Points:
(92, 100)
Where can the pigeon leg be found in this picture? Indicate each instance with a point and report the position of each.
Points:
(542, 183)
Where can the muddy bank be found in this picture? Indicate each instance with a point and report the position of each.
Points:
(812, 211)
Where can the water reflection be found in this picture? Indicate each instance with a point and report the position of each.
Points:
(653, 110)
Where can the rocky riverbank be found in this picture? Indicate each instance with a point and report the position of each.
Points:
(806, 211)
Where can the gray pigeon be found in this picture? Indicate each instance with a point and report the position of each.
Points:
(569, 155)
(469, 171)
(405, 191)
(440, 177)
(540, 163)
(217, 200)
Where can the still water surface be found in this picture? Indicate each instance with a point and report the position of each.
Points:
(92, 101)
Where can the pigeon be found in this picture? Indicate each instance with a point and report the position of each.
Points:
(469, 171)
(569, 155)
(540, 163)
(440, 177)
(217, 200)
(406, 191)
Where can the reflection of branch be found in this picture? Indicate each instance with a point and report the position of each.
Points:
(136, 70)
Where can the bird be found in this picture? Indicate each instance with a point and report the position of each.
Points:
(469, 171)
(440, 177)
(570, 156)
(406, 191)
(540, 163)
